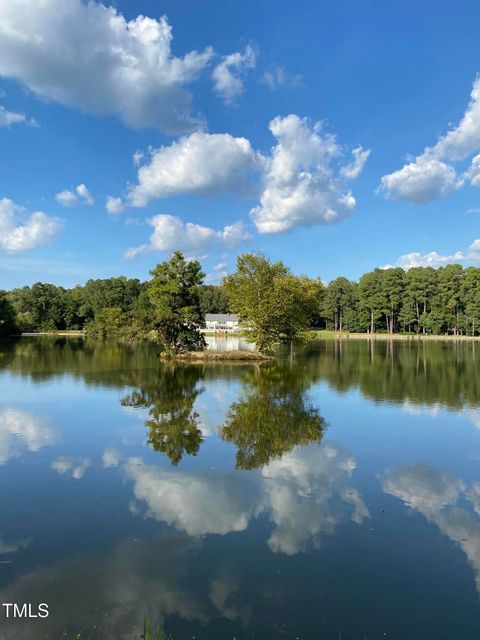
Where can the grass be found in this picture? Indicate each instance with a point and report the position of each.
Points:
(148, 633)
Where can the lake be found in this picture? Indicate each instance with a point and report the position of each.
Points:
(333, 493)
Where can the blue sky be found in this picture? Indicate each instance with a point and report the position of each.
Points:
(224, 117)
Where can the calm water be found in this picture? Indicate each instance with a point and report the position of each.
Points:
(334, 493)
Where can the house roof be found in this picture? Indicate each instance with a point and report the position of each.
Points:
(221, 317)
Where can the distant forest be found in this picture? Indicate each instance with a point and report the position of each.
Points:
(420, 300)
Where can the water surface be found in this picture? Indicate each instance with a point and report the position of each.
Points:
(332, 491)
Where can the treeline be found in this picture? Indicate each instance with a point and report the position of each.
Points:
(47, 307)
(421, 300)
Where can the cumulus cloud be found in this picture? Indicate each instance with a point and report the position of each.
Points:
(302, 185)
(278, 77)
(306, 495)
(196, 504)
(171, 233)
(80, 195)
(20, 232)
(88, 56)
(111, 458)
(228, 75)
(354, 169)
(114, 206)
(74, 467)
(423, 180)
(435, 495)
(474, 172)
(423, 488)
(434, 259)
(7, 118)
(301, 492)
(20, 430)
(432, 174)
(199, 163)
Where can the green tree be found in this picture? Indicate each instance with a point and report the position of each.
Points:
(449, 302)
(337, 301)
(8, 320)
(392, 284)
(213, 299)
(420, 290)
(276, 304)
(470, 290)
(174, 293)
(372, 300)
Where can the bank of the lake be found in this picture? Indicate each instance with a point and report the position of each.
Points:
(323, 334)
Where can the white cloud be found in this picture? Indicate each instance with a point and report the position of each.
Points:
(301, 493)
(306, 495)
(76, 468)
(80, 195)
(111, 458)
(7, 118)
(434, 259)
(171, 233)
(19, 232)
(464, 139)
(302, 182)
(200, 163)
(423, 180)
(354, 169)
(218, 272)
(423, 488)
(302, 186)
(435, 494)
(197, 504)
(88, 56)
(474, 171)
(277, 77)
(228, 75)
(21, 430)
(432, 174)
(114, 206)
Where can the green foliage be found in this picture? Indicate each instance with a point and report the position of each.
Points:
(338, 301)
(8, 319)
(213, 299)
(166, 310)
(169, 396)
(276, 305)
(272, 417)
(174, 293)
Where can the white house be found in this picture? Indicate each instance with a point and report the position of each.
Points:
(222, 322)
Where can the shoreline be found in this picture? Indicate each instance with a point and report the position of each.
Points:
(309, 336)
(344, 335)
(219, 356)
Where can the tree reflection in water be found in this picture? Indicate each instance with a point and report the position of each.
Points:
(169, 396)
(273, 415)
